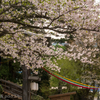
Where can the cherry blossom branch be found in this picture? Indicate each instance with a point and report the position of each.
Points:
(44, 55)
(8, 8)
(63, 15)
(4, 32)
(87, 29)
(36, 27)
(33, 15)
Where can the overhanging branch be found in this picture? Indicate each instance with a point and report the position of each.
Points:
(36, 27)
(88, 29)
(63, 15)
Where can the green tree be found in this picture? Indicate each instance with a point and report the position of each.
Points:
(10, 71)
(44, 84)
(69, 69)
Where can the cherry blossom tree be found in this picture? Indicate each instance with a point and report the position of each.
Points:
(40, 16)
(63, 16)
(30, 51)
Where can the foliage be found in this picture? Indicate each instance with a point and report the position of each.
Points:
(86, 49)
(22, 14)
(59, 40)
(60, 46)
(83, 94)
(10, 71)
(44, 85)
(36, 97)
(76, 18)
(69, 69)
(32, 52)
(1, 89)
(40, 16)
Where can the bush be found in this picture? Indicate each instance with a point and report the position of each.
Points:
(36, 97)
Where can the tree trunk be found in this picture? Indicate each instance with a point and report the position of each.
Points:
(0, 60)
(60, 87)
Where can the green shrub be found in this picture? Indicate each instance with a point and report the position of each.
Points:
(36, 97)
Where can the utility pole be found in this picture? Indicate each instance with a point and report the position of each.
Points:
(27, 78)
(26, 83)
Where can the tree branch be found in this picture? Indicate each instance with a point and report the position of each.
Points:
(63, 15)
(8, 8)
(87, 29)
(32, 15)
(42, 55)
(36, 27)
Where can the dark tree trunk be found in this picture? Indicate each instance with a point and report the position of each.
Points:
(0, 60)
(11, 71)
(60, 87)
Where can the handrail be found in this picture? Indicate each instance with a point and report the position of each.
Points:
(8, 82)
(11, 88)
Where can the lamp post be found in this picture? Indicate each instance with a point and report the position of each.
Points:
(26, 83)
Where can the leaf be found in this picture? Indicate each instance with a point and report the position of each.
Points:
(1, 9)
(16, 1)
(76, 7)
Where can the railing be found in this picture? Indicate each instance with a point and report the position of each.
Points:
(11, 89)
